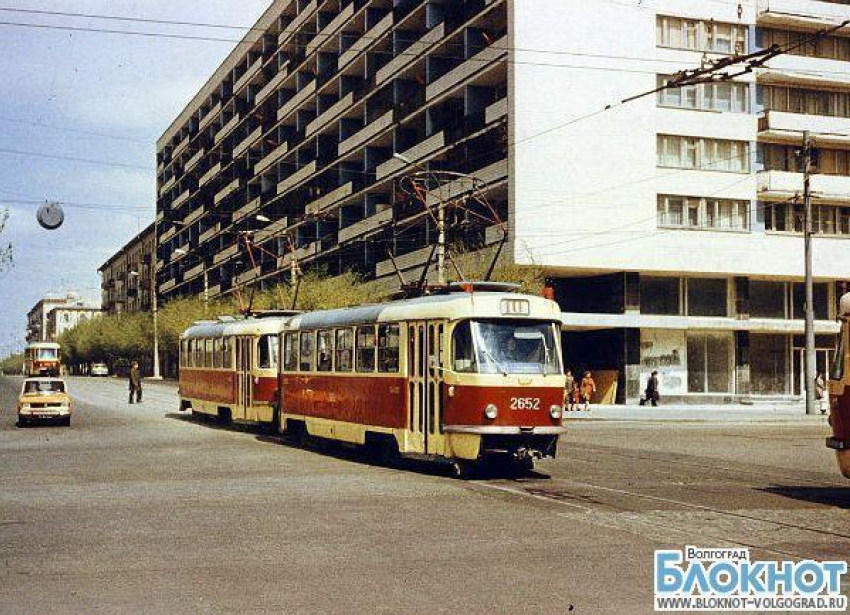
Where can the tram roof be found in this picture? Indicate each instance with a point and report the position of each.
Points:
(453, 306)
(249, 326)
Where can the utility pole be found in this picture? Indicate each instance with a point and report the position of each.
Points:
(810, 358)
(441, 243)
(154, 303)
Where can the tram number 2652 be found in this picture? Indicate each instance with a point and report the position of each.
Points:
(525, 403)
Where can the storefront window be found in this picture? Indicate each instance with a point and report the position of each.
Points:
(821, 295)
(769, 374)
(660, 296)
(767, 299)
(710, 362)
(707, 297)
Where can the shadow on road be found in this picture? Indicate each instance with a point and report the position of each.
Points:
(831, 496)
(357, 454)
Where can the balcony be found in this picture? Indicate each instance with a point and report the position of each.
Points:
(249, 75)
(781, 127)
(366, 226)
(487, 177)
(194, 272)
(247, 142)
(325, 35)
(395, 66)
(475, 65)
(804, 71)
(367, 40)
(247, 210)
(167, 285)
(296, 101)
(272, 86)
(299, 21)
(783, 186)
(212, 172)
(417, 258)
(210, 233)
(329, 199)
(276, 154)
(227, 128)
(194, 216)
(181, 146)
(227, 191)
(271, 230)
(248, 276)
(300, 176)
(336, 109)
(210, 115)
(226, 254)
(367, 133)
(168, 184)
(807, 15)
(180, 200)
(305, 252)
(416, 153)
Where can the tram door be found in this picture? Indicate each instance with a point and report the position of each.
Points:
(424, 365)
(244, 366)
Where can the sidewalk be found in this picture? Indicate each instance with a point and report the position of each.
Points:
(784, 413)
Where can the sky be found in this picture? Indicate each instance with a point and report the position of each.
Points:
(102, 99)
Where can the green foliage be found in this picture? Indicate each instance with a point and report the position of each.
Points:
(475, 265)
(109, 339)
(13, 364)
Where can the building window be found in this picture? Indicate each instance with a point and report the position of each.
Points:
(711, 361)
(827, 47)
(821, 301)
(810, 102)
(767, 299)
(703, 154)
(698, 35)
(703, 213)
(708, 297)
(660, 296)
(727, 96)
(769, 373)
(777, 157)
(789, 218)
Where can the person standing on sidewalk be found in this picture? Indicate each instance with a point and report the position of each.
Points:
(820, 393)
(588, 389)
(569, 392)
(651, 395)
(135, 383)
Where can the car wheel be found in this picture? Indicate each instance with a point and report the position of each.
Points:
(22, 422)
(66, 421)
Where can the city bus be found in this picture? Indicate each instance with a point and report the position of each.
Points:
(42, 359)
(839, 392)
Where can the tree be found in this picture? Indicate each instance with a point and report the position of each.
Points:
(5, 250)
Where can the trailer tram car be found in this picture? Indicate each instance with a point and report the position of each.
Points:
(462, 376)
(839, 392)
(229, 368)
(42, 359)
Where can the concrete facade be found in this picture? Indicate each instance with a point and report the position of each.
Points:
(43, 326)
(127, 277)
(670, 225)
(66, 317)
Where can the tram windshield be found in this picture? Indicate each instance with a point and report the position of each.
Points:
(47, 354)
(506, 347)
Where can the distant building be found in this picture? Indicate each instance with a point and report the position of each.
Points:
(65, 317)
(42, 325)
(127, 277)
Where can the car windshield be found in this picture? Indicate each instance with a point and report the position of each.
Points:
(506, 347)
(43, 387)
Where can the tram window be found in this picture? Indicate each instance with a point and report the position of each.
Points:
(290, 352)
(344, 350)
(366, 349)
(225, 354)
(268, 352)
(208, 353)
(217, 353)
(306, 363)
(325, 347)
(197, 353)
(463, 358)
(388, 343)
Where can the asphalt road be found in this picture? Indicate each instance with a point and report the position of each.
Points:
(139, 508)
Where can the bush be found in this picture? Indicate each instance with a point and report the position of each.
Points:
(13, 364)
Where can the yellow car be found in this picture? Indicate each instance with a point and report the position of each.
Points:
(44, 399)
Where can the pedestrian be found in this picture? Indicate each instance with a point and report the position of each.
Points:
(820, 393)
(569, 392)
(588, 390)
(651, 395)
(135, 383)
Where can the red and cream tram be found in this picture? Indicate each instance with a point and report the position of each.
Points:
(839, 392)
(42, 359)
(460, 376)
(229, 368)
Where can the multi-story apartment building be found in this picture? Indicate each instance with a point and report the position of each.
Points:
(128, 276)
(669, 224)
(44, 326)
(66, 317)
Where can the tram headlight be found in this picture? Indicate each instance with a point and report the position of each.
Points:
(491, 412)
(555, 411)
